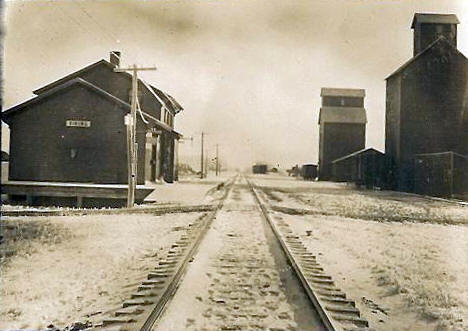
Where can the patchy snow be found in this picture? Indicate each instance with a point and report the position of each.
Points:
(97, 263)
(341, 199)
(405, 275)
(188, 190)
(234, 282)
(8, 207)
(416, 273)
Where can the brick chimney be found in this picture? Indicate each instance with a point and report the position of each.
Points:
(428, 27)
(114, 58)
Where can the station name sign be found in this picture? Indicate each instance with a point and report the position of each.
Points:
(78, 124)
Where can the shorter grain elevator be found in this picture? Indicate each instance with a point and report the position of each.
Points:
(342, 123)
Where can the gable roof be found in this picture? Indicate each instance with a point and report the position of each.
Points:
(342, 92)
(424, 18)
(441, 39)
(12, 110)
(361, 151)
(166, 100)
(168, 103)
(342, 115)
(72, 75)
(79, 81)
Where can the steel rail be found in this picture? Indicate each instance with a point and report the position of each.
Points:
(331, 323)
(174, 283)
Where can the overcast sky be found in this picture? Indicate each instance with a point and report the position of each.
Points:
(248, 72)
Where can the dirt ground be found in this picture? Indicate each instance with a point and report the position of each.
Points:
(403, 258)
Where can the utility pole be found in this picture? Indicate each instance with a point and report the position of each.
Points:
(201, 159)
(217, 160)
(130, 122)
(181, 140)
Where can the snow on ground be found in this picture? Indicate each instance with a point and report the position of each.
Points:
(234, 283)
(416, 273)
(404, 275)
(344, 200)
(189, 190)
(61, 269)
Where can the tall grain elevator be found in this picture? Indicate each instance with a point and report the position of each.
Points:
(426, 100)
(342, 122)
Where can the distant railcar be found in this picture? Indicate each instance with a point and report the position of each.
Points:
(259, 168)
(309, 171)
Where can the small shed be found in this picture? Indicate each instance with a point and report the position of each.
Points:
(364, 167)
(259, 168)
(309, 171)
(441, 174)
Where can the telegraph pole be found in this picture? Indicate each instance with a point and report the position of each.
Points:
(217, 160)
(201, 159)
(130, 122)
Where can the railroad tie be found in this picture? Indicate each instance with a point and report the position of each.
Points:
(132, 310)
(117, 320)
(144, 294)
(137, 302)
(358, 321)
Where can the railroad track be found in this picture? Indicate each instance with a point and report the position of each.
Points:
(144, 309)
(152, 295)
(337, 312)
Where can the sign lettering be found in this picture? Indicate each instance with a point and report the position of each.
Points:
(78, 123)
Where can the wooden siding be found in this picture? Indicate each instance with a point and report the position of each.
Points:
(328, 101)
(43, 148)
(363, 168)
(119, 85)
(41, 145)
(441, 174)
(392, 128)
(431, 99)
(337, 140)
(427, 33)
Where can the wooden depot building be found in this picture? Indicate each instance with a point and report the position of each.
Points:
(69, 140)
(426, 100)
(342, 123)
